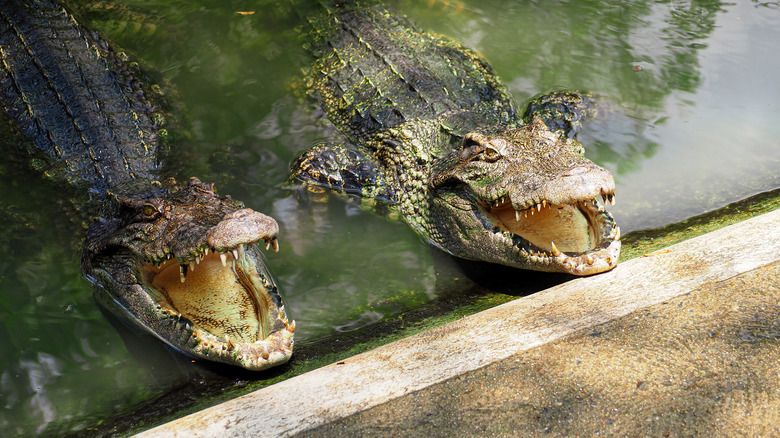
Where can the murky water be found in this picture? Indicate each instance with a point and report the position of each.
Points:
(692, 125)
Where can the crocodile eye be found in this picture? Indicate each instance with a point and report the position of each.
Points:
(490, 154)
(487, 154)
(149, 211)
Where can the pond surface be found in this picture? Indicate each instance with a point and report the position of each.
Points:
(692, 125)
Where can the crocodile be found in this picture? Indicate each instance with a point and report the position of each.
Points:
(429, 133)
(174, 260)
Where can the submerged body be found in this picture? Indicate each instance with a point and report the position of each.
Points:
(430, 130)
(174, 260)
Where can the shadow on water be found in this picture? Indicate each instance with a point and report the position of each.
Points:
(350, 279)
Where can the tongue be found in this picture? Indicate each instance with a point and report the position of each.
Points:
(566, 226)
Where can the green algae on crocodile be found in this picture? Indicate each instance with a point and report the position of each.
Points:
(431, 131)
(174, 260)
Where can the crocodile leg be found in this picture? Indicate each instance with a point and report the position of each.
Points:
(344, 170)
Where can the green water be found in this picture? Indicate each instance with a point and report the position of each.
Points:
(693, 125)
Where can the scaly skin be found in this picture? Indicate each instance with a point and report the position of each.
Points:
(176, 261)
(430, 130)
(183, 265)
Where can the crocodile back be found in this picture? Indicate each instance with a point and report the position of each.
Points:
(374, 71)
(75, 98)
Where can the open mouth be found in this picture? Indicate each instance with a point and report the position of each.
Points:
(581, 236)
(222, 297)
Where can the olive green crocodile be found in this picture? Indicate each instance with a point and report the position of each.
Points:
(429, 130)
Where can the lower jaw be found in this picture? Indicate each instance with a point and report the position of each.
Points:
(525, 255)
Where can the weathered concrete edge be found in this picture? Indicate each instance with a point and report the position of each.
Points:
(387, 372)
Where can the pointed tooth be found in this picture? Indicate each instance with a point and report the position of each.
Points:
(617, 234)
(235, 254)
(611, 198)
(589, 259)
(538, 207)
(197, 260)
(223, 257)
(517, 215)
(275, 244)
(182, 272)
(604, 197)
(291, 327)
(192, 265)
(555, 250)
(544, 204)
(230, 345)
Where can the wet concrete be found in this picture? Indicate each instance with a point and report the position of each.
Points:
(702, 364)
(682, 341)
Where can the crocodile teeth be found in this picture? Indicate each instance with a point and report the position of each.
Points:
(617, 234)
(182, 272)
(555, 250)
(517, 215)
(192, 265)
(589, 259)
(235, 254)
(538, 207)
(223, 257)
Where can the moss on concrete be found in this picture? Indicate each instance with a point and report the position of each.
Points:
(309, 357)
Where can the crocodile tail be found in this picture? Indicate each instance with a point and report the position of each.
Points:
(75, 98)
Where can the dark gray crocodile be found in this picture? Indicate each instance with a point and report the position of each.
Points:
(174, 260)
(431, 131)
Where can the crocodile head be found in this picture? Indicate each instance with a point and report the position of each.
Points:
(525, 198)
(183, 265)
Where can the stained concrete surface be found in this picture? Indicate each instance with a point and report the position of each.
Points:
(682, 341)
(706, 363)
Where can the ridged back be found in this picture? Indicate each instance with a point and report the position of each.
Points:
(74, 98)
(374, 71)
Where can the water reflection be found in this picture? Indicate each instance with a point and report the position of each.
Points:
(690, 130)
(690, 81)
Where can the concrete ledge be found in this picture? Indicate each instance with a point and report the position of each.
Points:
(387, 372)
